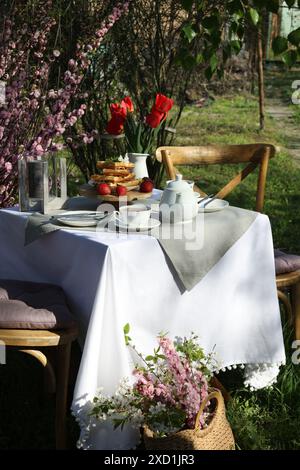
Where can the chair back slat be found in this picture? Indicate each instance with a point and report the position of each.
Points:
(256, 155)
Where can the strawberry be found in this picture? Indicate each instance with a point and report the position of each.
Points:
(103, 189)
(146, 186)
(121, 190)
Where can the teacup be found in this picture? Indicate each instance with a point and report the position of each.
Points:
(135, 215)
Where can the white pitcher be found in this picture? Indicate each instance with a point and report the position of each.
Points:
(140, 166)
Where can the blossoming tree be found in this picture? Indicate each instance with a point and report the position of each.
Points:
(32, 117)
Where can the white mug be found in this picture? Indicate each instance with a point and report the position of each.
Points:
(135, 215)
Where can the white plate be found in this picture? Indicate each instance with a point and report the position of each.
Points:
(214, 206)
(152, 223)
(80, 218)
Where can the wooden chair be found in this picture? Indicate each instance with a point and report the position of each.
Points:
(253, 155)
(31, 341)
(288, 289)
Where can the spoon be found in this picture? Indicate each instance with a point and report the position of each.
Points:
(208, 202)
(205, 198)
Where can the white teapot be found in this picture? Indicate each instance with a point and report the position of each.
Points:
(178, 202)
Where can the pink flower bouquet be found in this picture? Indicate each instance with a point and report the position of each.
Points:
(168, 390)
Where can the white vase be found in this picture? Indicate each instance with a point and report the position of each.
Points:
(140, 165)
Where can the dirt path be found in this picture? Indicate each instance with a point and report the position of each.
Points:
(278, 107)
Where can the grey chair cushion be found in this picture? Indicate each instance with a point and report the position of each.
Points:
(286, 263)
(34, 306)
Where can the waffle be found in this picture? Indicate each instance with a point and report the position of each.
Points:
(116, 174)
(114, 165)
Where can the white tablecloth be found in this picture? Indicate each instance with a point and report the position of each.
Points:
(111, 281)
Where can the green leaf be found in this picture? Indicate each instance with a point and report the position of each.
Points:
(290, 3)
(220, 73)
(279, 45)
(213, 63)
(188, 62)
(149, 358)
(210, 22)
(226, 52)
(235, 7)
(272, 5)
(290, 58)
(187, 4)
(208, 73)
(234, 27)
(126, 329)
(189, 32)
(236, 46)
(199, 59)
(254, 15)
(259, 3)
(294, 37)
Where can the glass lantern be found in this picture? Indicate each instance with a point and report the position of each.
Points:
(42, 184)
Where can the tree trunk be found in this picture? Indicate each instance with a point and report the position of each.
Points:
(261, 88)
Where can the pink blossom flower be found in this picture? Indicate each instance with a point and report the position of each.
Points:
(8, 167)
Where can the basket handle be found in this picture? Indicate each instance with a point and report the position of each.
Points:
(215, 394)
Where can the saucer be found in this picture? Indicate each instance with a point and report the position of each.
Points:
(80, 218)
(152, 223)
(214, 206)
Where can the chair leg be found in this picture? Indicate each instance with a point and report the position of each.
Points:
(287, 305)
(295, 298)
(49, 375)
(62, 376)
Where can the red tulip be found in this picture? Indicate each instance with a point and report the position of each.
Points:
(119, 109)
(154, 118)
(159, 110)
(163, 104)
(115, 125)
(128, 103)
(118, 115)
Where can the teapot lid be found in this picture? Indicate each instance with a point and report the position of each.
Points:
(178, 184)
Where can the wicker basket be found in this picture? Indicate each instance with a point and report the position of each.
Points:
(216, 436)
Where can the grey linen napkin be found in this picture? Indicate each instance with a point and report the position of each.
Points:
(192, 257)
(38, 225)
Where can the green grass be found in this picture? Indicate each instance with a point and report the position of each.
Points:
(267, 419)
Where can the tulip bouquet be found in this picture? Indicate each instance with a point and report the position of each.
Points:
(140, 135)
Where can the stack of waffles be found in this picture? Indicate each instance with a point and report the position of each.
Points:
(116, 174)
